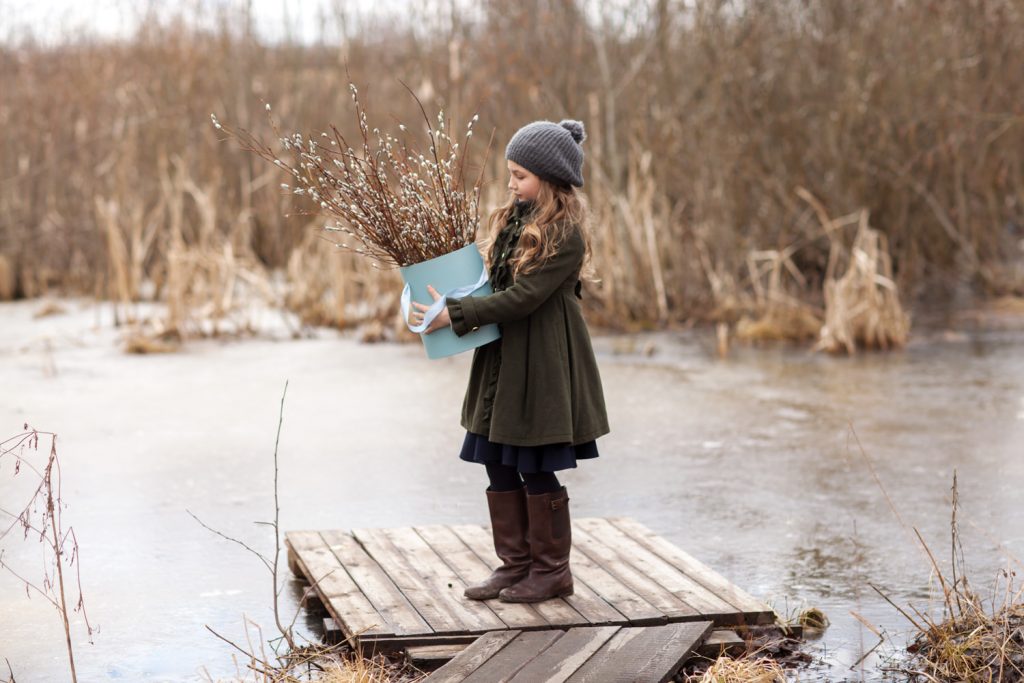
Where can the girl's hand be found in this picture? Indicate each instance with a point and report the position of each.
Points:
(442, 319)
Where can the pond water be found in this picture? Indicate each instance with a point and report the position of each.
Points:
(749, 463)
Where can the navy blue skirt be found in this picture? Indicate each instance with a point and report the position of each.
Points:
(530, 459)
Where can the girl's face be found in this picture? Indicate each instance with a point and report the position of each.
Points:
(521, 183)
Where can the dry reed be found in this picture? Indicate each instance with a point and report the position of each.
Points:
(862, 306)
(704, 119)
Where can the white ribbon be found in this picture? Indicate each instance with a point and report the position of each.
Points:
(437, 306)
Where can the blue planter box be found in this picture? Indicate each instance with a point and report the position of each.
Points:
(447, 274)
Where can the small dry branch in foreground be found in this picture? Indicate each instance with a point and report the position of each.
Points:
(60, 545)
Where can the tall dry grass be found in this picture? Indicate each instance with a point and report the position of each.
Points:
(704, 119)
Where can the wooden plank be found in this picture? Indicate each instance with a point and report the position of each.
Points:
(658, 597)
(632, 606)
(473, 615)
(506, 662)
(396, 644)
(470, 569)
(556, 612)
(375, 584)
(592, 606)
(563, 657)
(332, 632)
(595, 609)
(293, 561)
(434, 654)
(643, 654)
(659, 570)
(695, 569)
(339, 593)
(482, 649)
(722, 642)
(438, 612)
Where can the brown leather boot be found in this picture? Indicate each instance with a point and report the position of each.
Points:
(509, 526)
(550, 543)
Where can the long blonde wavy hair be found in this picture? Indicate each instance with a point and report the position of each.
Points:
(555, 211)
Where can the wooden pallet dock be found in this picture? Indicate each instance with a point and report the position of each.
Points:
(388, 589)
(600, 654)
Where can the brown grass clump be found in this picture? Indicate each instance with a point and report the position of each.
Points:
(141, 343)
(813, 618)
(747, 669)
(781, 313)
(968, 640)
(1011, 305)
(862, 307)
(781, 323)
(49, 308)
(356, 668)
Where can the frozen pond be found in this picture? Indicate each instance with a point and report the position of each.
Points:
(747, 463)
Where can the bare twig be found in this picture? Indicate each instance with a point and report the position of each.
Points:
(61, 542)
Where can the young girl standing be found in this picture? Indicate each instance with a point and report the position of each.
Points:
(534, 404)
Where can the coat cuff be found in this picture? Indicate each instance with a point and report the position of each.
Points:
(463, 315)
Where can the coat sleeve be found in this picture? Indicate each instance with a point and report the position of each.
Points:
(525, 295)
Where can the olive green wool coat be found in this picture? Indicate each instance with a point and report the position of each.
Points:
(538, 383)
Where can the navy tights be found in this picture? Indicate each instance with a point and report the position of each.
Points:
(507, 478)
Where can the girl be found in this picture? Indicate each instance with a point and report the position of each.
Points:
(534, 404)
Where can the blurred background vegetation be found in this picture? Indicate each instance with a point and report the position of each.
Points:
(740, 154)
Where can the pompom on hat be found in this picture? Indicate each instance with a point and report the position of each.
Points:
(550, 151)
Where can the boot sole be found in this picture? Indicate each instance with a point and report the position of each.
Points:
(480, 597)
(561, 594)
(493, 594)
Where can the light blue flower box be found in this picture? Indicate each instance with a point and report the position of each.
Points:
(457, 274)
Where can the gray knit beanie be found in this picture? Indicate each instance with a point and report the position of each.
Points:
(550, 151)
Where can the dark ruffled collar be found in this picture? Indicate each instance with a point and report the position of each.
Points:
(506, 242)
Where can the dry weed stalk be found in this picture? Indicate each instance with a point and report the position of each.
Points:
(7, 279)
(271, 564)
(297, 661)
(60, 543)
